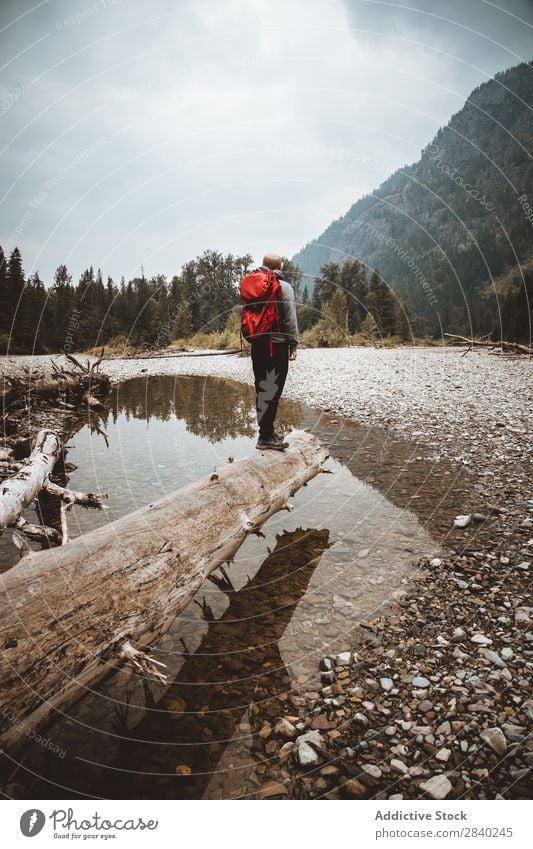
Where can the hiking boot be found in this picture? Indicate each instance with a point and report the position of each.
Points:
(276, 442)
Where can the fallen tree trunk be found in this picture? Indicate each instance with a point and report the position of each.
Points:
(17, 492)
(514, 347)
(70, 614)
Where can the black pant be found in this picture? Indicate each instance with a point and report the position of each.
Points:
(270, 373)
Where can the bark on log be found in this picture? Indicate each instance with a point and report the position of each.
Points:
(17, 493)
(67, 613)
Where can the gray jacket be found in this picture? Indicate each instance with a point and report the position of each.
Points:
(287, 313)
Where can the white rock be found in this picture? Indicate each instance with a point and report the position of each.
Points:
(306, 755)
(344, 658)
(386, 683)
(435, 562)
(437, 787)
(507, 653)
(481, 640)
(286, 729)
(372, 769)
(443, 755)
(420, 682)
(493, 658)
(398, 766)
(462, 522)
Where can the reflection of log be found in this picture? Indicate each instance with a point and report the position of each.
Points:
(66, 613)
(237, 664)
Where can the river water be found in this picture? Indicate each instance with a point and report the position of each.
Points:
(251, 640)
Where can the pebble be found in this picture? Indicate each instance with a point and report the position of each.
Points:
(514, 733)
(493, 658)
(458, 635)
(437, 787)
(386, 683)
(443, 755)
(372, 769)
(344, 658)
(355, 788)
(420, 682)
(462, 521)
(494, 737)
(285, 729)
(507, 653)
(481, 640)
(398, 766)
(271, 788)
(425, 705)
(306, 755)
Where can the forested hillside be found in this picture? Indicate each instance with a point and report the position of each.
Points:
(451, 231)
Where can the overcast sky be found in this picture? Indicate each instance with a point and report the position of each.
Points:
(139, 133)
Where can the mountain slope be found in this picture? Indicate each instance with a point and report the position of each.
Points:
(441, 229)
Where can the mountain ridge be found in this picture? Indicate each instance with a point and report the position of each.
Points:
(443, 228)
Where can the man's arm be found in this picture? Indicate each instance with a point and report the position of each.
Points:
(288, 316)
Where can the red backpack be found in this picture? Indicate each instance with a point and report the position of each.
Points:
(260, 293)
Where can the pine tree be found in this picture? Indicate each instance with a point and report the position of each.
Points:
(14, 306)
(369, 330)
(403, 322)
(294, 275)
(3, 302)
(334, 322)
(326, 284)
(183, 324)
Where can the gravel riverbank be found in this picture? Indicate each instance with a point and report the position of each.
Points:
(433, 698)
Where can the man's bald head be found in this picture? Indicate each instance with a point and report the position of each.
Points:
(273, 261)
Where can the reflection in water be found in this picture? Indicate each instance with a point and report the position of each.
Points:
(251, 640)
(239, 660)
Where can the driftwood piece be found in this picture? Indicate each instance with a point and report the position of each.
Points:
(514, 347)
(17, 492)
(68, 613)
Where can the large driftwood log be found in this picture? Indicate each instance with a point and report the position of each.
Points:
(70, 614)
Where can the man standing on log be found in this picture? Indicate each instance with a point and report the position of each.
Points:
(270, 323)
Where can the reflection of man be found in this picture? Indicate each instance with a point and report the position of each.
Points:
(270, 372)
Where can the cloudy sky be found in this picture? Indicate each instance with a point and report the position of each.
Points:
(139, 133)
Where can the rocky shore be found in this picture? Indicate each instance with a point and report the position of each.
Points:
(433, 698)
